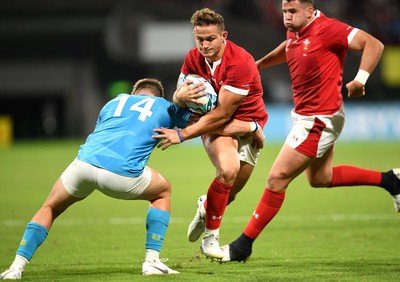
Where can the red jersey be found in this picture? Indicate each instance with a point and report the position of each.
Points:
(237, 72)
(315, 56)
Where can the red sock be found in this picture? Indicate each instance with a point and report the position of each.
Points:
(217, 199)
(345, 175)
(268, 206)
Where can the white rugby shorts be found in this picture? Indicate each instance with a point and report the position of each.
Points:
(247, 153)
(80, 179)
(314, 135)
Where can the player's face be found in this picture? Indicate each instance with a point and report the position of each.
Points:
(296, 15)
(210, 41)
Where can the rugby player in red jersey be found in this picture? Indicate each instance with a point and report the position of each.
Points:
(315, 51)
(233, 73)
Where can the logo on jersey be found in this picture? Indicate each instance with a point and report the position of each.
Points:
(306, 43)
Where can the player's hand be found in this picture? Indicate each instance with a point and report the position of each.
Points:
(259, 137)
(355, 89)
(168, 137)
(190, 92)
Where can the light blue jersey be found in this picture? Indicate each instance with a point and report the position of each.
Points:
(121, 141)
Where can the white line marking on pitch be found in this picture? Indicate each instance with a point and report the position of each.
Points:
(236, 219)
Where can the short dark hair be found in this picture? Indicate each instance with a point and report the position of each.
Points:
(206, 17)
(153, 84)
(311, 2)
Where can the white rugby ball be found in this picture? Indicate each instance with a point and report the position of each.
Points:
(208, 102)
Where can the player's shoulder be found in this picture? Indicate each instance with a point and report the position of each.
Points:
(194, 61)
(233, 48)
(237, 54)
(193, 54)
(325, 22)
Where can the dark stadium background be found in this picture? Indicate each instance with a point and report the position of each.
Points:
(61, 60)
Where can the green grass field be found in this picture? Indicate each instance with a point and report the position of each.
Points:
(342, 234)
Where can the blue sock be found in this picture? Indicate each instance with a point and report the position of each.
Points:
(33, 237)
(156, 225)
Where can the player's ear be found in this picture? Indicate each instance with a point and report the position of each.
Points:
(224, 35)
(309, 12)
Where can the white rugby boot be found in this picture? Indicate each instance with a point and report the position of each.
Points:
(196, 227)
(225, 252)
(13, 273)
(156, 267)
(396, 198)
(210, 247)
(231, 253)
(396, 202)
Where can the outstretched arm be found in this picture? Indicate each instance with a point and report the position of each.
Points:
(372, 50)
(246, 128)
(275, 57)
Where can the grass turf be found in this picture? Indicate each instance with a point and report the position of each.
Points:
(346, 234)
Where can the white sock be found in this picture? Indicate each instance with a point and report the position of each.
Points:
(152, 255)
(19, 262)
(215, 232)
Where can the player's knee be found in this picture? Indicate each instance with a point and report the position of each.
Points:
(231, 198)
(228, 174)
(167, 187)
(318, 183)
(277, 182)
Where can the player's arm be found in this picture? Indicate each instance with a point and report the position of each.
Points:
(227, 104)
(372, 50)
(236, 126)
(245, 128)
(275, 57)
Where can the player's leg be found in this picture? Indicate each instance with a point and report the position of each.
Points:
(301, 147)
(295, 156)
(158, 193)
(248, 158)
(37, 229)
(243, 176)
(319, 173)
(346, 175)
(150, 186)
(248, 155)
(222, 151)
(322, 174)
(287, 166)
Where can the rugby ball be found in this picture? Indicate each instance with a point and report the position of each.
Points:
(208, 102)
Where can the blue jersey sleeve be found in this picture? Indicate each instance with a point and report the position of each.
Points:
(180, 116)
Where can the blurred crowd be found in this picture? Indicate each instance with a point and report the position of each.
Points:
(381, 18)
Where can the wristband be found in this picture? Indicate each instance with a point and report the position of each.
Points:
(362, 76)
(253, 126)
(180, 135)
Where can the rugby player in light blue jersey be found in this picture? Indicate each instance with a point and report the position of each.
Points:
(114, 160)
